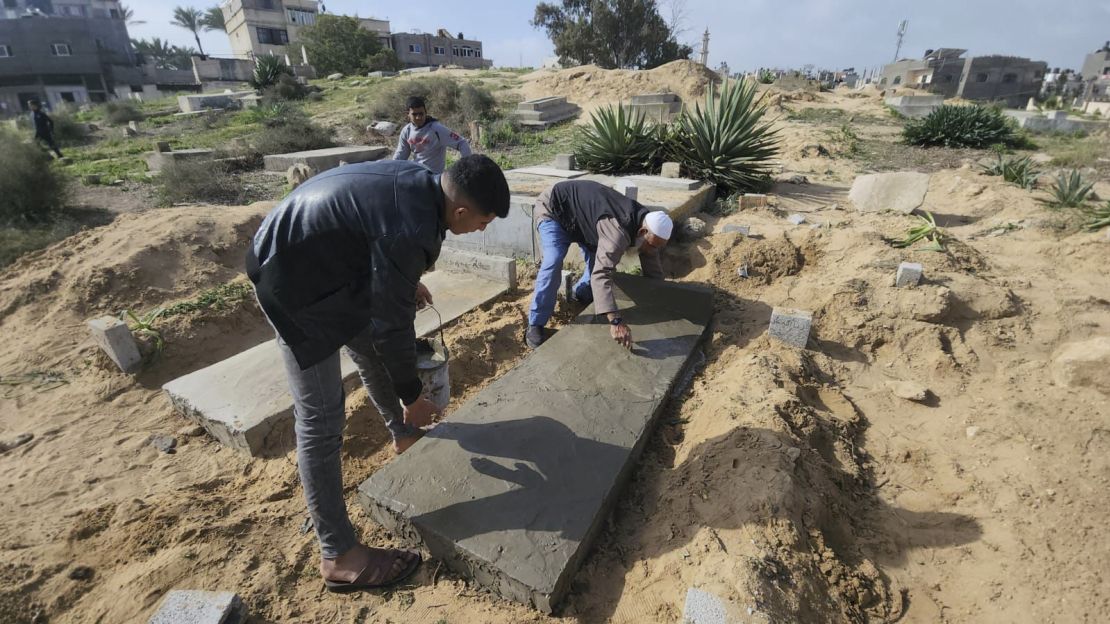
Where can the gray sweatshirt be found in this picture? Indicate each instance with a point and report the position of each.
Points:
(429, 143)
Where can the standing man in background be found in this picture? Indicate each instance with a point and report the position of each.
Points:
(427, 140)
(44, 127)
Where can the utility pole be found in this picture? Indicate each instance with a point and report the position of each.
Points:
(901, 34)
(705, 48)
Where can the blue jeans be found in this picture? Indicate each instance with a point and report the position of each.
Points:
(320, 420)
(554, 243)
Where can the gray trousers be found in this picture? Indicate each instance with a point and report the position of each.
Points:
(320, 419)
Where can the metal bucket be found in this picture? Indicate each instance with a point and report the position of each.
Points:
(432, 358)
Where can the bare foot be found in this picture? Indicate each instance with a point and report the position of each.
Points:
(400, 445)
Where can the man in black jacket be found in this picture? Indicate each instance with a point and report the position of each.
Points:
(44, 127)
(338, 263)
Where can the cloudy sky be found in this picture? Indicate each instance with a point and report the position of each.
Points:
(747, 34)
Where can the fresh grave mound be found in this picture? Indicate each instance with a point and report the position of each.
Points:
(591, 87)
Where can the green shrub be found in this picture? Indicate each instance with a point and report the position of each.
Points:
(962, 126)
(384, 60)
(1069, 190)
(117, 113)
(617, 141)
(286, 89)
(508, 133)
(32, 188)
(288, 129)
(1019, 171)
(454, 103)
(727, 142)
(268, 70)
(1098, 218)
(69, 131)
(198, 181)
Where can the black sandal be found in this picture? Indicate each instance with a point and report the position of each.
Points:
(363, 583)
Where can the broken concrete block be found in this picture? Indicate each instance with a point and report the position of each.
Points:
(514, 488)
(791, 326)
(693, 228)
(741, 229)
(296, 174)
(335, 76)
(1083, 364)
(133, 125)
(671, 170)
(497, 268)
(796, 219)
(627, 188)
(908, 390)
(753, 200)
(566, 285)
(163, 147)
(115, 338)
(564, 161)
(909, 274)
(91, 179)
(704, 608)
(901, 192)
(187, 606)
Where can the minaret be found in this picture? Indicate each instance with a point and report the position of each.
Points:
(705, 48)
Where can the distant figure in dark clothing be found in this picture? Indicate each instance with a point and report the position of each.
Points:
(44, 127)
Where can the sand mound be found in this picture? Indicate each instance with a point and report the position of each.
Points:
(590, 86)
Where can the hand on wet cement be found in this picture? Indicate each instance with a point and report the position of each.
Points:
(622, 334)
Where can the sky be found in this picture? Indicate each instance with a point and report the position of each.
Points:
(747, 34)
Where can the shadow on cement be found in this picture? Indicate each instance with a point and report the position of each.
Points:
(747, 478)
(534, 498)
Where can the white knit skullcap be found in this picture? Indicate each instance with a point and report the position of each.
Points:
(658, 223)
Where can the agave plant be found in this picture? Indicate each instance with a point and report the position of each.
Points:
(1100, 218)
(961, 126)
(144, 326)
(926, 229)
(1019, 171)
(1069, 190)
(617, 141)
(268, 71)
(727, 142)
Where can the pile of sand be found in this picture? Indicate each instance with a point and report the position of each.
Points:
(591, 87)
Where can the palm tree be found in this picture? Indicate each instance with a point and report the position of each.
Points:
(213, 19)
(129, 16)
(162, 54)
(190, 19)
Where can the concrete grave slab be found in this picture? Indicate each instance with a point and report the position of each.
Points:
(901, 192)
(513, 488)
(791, 326)
(244, 401)
(496, 268)
(552, 172)
(182, 606)
(671, 170)
(203, 101)
(682, 184)
(324, 159)
(753, 200)
(565, 161)
(628, 188)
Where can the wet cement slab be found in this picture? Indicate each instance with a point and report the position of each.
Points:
(512, 489)
(244, 401)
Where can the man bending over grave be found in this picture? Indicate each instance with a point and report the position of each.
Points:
(604, 223)
(338, 264)
(426, 139)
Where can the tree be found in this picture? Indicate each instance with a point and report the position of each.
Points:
(129, 16)
(336, 43)
(213, 19)
(628, 34)
(190, 19)
(164, 55)
(384, 60)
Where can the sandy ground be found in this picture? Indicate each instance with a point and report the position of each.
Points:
(794, 483)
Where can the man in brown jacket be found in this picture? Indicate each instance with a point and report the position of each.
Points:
(604, 223)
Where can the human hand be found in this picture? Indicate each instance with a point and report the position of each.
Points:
(423, 296)
(421, 412)
(622, 334)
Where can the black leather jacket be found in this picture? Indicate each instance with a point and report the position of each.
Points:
(346, 250)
